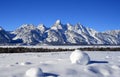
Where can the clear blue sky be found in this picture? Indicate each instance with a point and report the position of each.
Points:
(100, 15)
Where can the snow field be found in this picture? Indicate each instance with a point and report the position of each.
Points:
(58, 64)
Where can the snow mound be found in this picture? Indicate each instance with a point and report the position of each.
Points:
(34, 72)
(79, 57)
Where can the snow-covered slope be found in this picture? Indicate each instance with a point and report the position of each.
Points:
(28, 33)
(82, 35)
(4, 36)
(109, 37)
(60, 33)
(55, 35)
(42, 28)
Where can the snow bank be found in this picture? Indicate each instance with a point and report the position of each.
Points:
(79, 57)
(34, 72)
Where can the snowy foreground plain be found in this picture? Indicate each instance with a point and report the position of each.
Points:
(58, 64)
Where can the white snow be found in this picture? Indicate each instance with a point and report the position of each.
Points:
(58, 64)
(34, 72)
(1, 28)
(58, 21)
(79, 57)
(41, 27)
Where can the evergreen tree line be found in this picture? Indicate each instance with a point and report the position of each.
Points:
(24, 50)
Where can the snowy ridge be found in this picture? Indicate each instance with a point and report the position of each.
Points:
(58, 34)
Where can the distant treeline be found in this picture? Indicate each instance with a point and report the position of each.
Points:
(24, 50)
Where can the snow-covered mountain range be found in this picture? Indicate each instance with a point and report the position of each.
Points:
(58, 34)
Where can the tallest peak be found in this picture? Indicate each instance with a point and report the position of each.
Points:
(1, 28)
(58, 21)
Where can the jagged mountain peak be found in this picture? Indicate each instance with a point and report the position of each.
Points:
(112, 31)
(1, 28)
(79, 26)
(58, 21)
(4, 36)
(57, 25)
(42, 28)
(70, 26)
(41, 25)
(28, 33)
(26, 25)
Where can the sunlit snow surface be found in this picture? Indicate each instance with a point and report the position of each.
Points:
(58, 64)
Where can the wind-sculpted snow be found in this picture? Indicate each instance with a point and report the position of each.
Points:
(58, 34)
(58, 64)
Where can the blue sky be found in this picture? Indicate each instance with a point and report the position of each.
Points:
(100, 15)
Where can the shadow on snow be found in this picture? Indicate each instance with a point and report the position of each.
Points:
(92, 62)
(50, 74)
